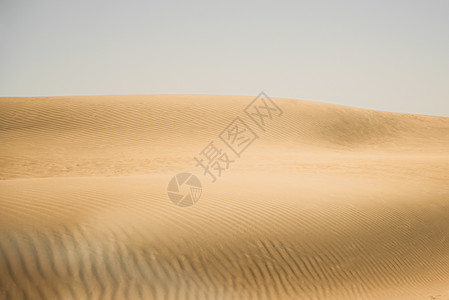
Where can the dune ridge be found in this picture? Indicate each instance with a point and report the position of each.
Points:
(330, 202)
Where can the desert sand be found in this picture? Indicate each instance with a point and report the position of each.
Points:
(328, 202)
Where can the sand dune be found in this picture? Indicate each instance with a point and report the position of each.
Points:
(329, 202)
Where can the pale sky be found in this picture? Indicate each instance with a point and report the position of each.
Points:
(386, 55)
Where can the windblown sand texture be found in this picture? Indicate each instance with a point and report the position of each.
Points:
(330, 202)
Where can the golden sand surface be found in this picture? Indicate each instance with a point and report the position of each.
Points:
(327, 202)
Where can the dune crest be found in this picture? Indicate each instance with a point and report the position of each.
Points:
(329, 202)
